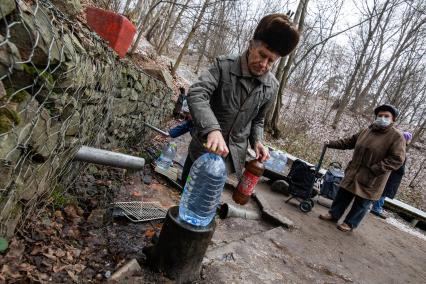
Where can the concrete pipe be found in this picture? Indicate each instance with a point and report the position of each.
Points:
(227, 210)
(108, 158)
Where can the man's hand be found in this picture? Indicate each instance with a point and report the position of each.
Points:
(262, 154)
(216, 143)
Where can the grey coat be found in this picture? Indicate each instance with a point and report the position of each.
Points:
(229, 99)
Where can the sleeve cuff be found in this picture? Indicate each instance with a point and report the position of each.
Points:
(203, 132)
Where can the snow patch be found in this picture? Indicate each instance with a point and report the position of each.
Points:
(406, 228)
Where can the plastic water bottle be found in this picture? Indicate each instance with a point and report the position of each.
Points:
(167, 155)
(277, 161)
(203, 189)
(272, 162)
(283, 161)
(269, 164)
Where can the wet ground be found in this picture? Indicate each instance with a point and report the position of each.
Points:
(314, 252)
(82, 242)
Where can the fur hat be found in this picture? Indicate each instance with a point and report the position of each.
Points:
(278, 33)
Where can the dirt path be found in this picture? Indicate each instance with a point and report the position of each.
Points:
(314, 252)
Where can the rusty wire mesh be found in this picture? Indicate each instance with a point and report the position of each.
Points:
(61, 87)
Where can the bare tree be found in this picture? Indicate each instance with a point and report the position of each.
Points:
(205, 39)
(299, 19)
(166, 40)
(373, 25)
(191, 33)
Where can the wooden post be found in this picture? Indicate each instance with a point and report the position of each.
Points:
(180, 249)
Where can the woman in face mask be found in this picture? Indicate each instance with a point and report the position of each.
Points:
(378, 150)
(392, 184)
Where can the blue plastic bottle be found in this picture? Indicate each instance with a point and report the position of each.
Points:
(203, 189)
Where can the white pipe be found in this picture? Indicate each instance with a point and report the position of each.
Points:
(108, 158)
(157, 129)
(227, 210)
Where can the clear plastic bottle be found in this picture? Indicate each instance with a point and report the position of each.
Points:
(283, 161)
(203, 189)
(277, 161)
(280, 161)
(167, 155)
(270, 163)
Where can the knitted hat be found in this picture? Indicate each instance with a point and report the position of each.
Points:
(387, 107)
(278, 33)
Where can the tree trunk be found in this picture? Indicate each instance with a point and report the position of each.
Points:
(270, 113)
(418, 133)
(126, 6)
(348, 89)
(218, 46)
(205, 40)
(301, 10)
(172, 30)
(166, 24)
(156, 23)
(412, 185)
(142, 25)
(189, 37)
(417, 106)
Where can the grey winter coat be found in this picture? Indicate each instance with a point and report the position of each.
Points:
(229, 99)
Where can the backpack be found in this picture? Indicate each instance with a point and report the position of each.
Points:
(331, 181)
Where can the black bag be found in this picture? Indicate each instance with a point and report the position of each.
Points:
(302, 178)
(331, 181)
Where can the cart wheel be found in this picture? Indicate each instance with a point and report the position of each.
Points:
(305, 206)
(311, 202)
(280, 186)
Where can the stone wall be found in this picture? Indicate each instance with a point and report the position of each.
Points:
(61, 87)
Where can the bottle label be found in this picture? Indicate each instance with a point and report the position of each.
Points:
(247, 183)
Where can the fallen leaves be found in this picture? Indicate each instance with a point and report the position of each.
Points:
(48, 256)
(64, 246)
(149, 233)
(73, 213)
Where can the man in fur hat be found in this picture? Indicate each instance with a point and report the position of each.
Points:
(228, 103)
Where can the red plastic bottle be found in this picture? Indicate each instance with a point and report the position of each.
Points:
(253, 172)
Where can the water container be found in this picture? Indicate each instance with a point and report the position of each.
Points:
(277, 161)
(269, 164)
(282, 158)
(203, 188)
(167, 155)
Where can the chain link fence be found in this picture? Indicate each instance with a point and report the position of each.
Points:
(61, 87)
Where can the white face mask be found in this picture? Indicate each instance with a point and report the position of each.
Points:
(382, 122)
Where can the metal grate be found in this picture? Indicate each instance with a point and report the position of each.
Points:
(138, 211)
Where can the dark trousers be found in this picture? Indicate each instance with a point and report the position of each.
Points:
(358, 210)
(185, 171)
